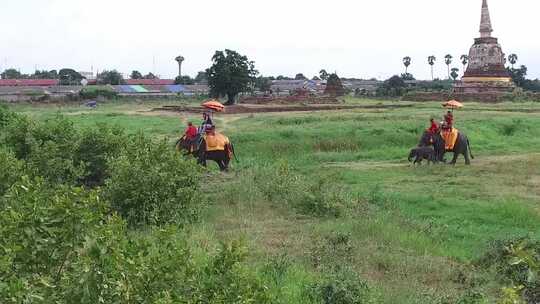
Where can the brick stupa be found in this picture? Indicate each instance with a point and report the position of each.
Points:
(486, 78)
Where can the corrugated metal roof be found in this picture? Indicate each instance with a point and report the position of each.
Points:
(149, 81)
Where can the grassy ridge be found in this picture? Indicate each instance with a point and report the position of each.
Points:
(411, 232)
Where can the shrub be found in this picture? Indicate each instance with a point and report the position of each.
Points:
(517, 263)
(93, 149)
(322, 199)
(47, 147)
(151, 184)
(40, 230)
(10, 170)
(51, 151)
(341, 287)
(90, 93)
(6, 116)
(114, 267)
(226, 280)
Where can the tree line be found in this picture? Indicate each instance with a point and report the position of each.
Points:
(448, 60)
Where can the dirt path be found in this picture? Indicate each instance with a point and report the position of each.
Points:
(247, 109)
(479, 161)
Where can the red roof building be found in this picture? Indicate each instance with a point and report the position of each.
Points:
(28, 82)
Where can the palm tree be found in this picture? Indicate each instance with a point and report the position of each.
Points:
(431, 61)
(406, 63)
(464, 61)
(448, 60)
(454, 73)
(513, 58)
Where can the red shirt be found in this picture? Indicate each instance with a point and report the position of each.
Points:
(449, 119)
(434, 127)
(191, 132)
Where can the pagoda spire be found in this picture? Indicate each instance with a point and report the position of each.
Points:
(485, 22)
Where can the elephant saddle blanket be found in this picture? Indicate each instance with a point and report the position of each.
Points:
(450, 138)
(216, 142)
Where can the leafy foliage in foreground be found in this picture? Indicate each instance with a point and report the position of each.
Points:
(61, 246)
(151, 184)
(517, 264)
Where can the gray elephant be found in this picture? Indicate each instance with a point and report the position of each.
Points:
(462, 146)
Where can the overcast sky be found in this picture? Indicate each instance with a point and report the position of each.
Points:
(357, 38)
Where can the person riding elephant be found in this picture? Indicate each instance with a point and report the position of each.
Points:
(217, 147)
(460, 146)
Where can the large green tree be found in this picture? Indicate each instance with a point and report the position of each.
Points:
(69, 77)
(184, 80)
(150, 76)
(11, 74)
(136, 75)
(263, 84)
(519, 75)
(53, 74)
(230, 74)
(110, 77)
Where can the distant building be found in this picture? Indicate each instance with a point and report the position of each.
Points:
(88, 75)
(366, 86)
(286, 87)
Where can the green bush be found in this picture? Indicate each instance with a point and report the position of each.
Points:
(46, 147)
(517, 264)
(94, 148)
(6, 116)
(92, 93)
(150, 184)
(41, 229)
(10, 170)
(61, 246)
(320, 197)
(342, 286)
(323, 199)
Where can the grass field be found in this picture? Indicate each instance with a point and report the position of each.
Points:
(314, 190)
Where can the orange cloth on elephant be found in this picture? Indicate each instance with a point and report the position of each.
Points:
(450, 137)
(216, 142)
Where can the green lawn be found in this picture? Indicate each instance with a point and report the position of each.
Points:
(413, 233)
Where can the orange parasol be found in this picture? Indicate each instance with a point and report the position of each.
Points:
(214, 105)
(453, 104)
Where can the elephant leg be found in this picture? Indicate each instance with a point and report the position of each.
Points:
(467, 159)
(454, 159)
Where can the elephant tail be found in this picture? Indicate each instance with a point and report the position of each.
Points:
(234, 153)
(469, 146)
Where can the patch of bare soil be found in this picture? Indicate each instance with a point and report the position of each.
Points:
(486, 160)
(246, 109)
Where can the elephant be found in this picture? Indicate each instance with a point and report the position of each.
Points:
(462, 146)
(421, 153)
(221, 157)
(197, 148)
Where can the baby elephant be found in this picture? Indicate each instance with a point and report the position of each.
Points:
(421, 153)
